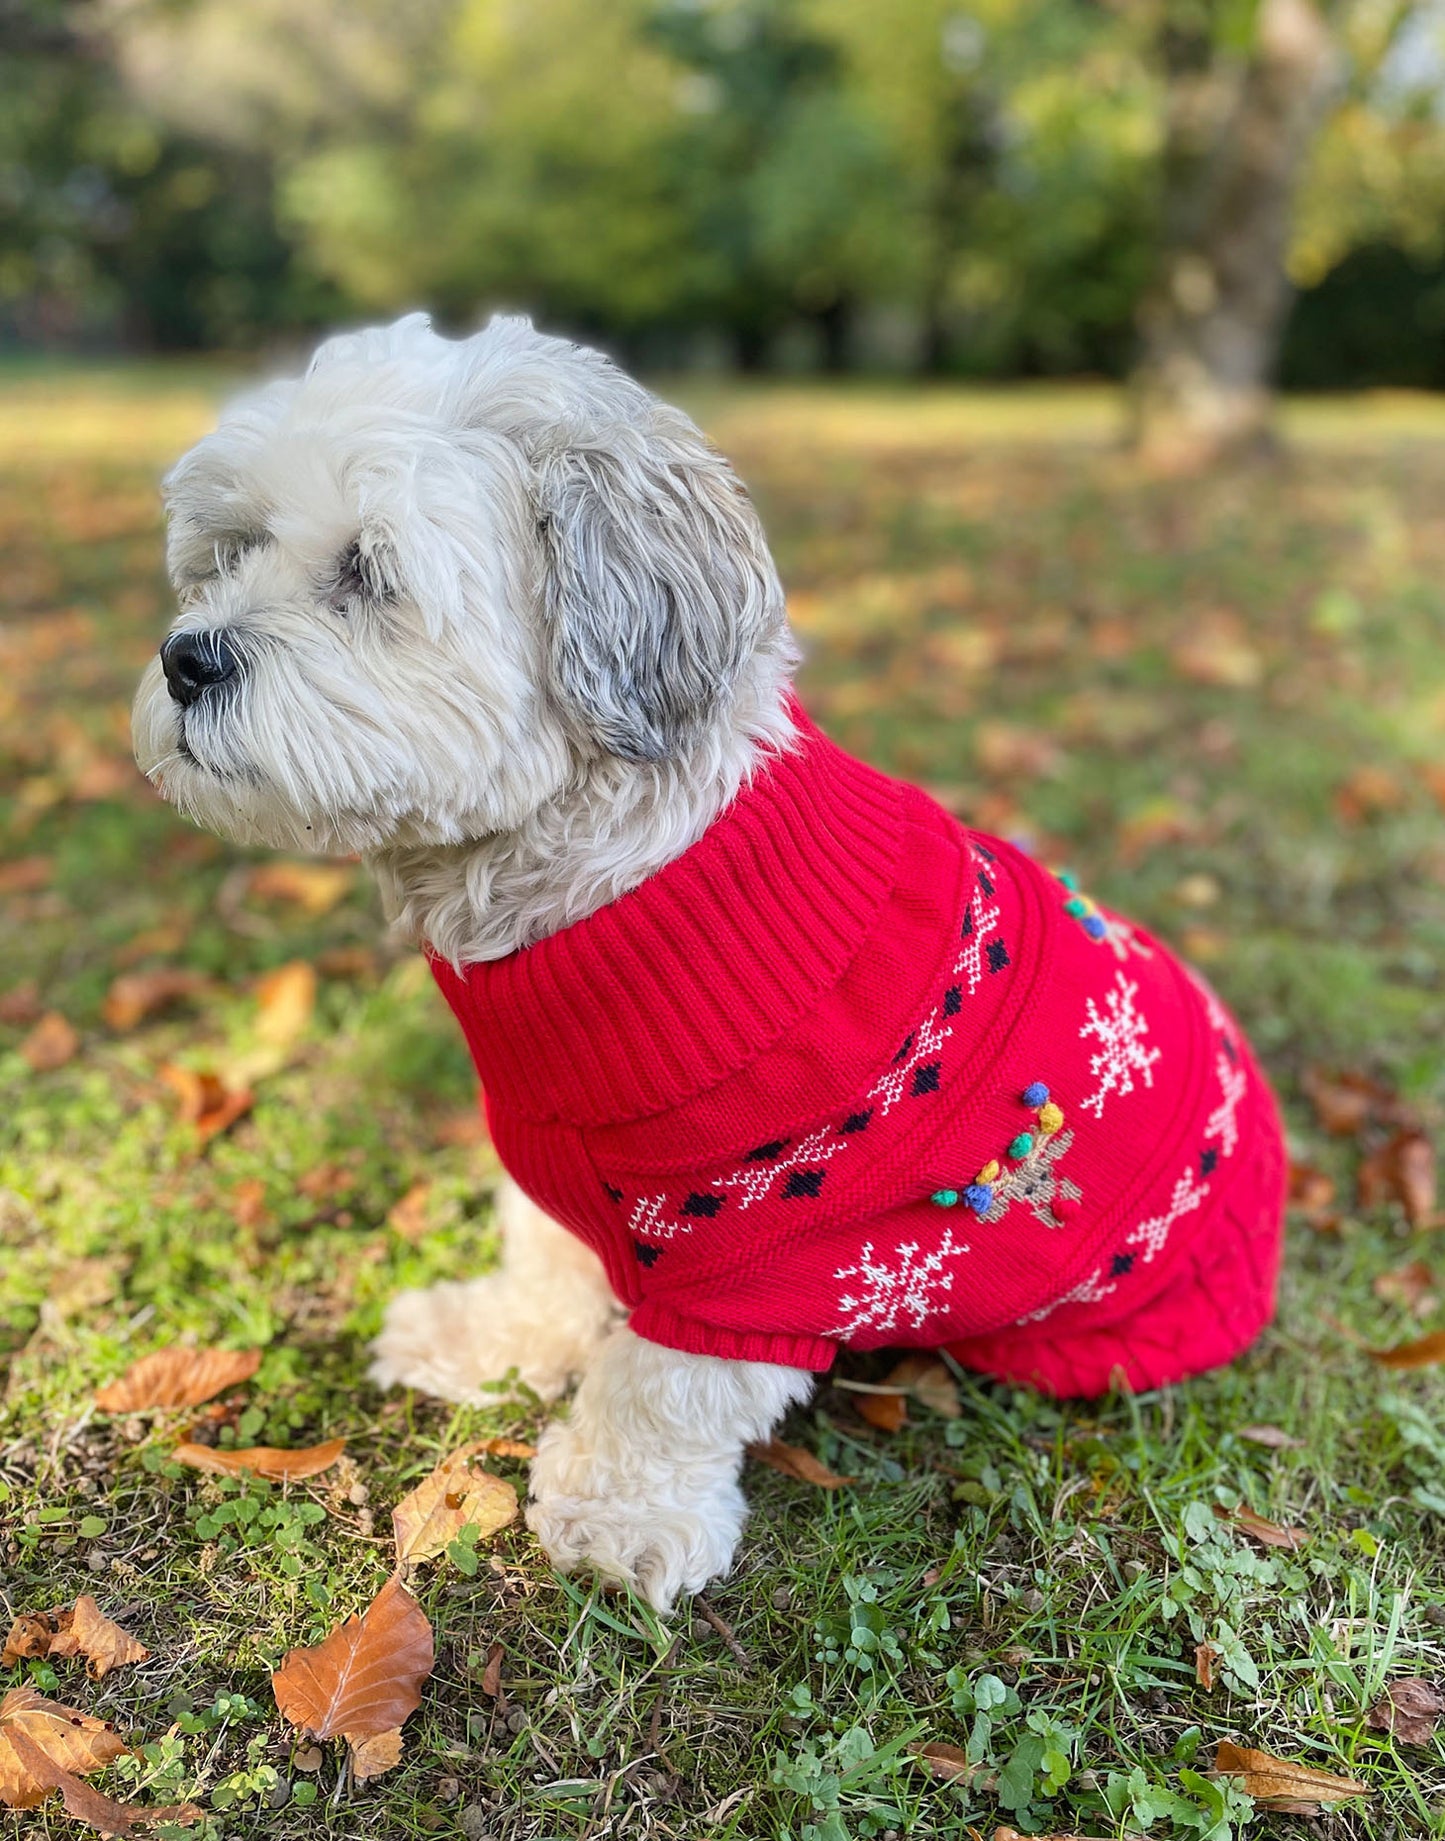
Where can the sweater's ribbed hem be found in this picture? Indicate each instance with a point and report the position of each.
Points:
(655, 1322)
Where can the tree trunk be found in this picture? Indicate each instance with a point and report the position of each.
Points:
(1237, 135)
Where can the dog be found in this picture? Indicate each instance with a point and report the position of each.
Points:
(780, 1056)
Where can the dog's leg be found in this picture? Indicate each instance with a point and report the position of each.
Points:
(544, 1313)
(641, 1481)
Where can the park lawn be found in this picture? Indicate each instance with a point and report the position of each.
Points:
(1222, 704)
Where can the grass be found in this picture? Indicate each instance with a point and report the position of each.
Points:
(1176, 687)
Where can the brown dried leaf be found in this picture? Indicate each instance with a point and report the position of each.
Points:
(798, 1464)
(25, 875)
(87, 1631)
(1278, 1784)
(945, 1761)
(262, 1460)
(85, 1802)
(1408, 1710)
(929, 1381)
(61, 1736)
(1205, 1657)
(408, 1217)
(1412, 1285)
(365, 1677)
(1312, 1192)
(453, 1497)
(206, 1101)
(373, 1757)
(29, 1639)
(506, 1447)
(286, 1001)
(1272, 1437)
(1217, 651)
(1345, 1102)
(491, 1682)
(315, 888)
(1367, 791)
(1403, 1171)
(136, 995)
(20, 1006)
(177, 1377)
(888, 1412)
(1422, 1354)
(51, 1043)
(1267, 1533)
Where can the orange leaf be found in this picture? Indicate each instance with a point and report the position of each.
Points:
(50, 1044)
(29, 1639)
(286, 999)
(373, 1757)
(928, 1380)
(316, 888)
(365, 1677)
(1412, 1285)
(798, 1464)
(262, 1460)
(1403, 1171)
(506, 1447)
(1407, 1710)
(1422, 1354)
(1267, 1533)
(136, 995)
(1313, 1193)
(87, 1631)
(206, 1101)
(24, 875)
(62, 1738)
(491, 1682)
(84, 1801)
(408, 1217)
(177, 1377)
(1345, 1102)
(945, 1761)
(453, 1497)
(889, 1412)
(1205, 1657)
(1278, 1784)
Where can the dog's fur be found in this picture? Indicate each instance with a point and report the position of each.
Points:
(506, 624)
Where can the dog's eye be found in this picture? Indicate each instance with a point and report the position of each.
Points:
(359, 576)
(226, 551)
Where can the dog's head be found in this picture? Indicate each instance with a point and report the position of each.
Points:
(424, 585)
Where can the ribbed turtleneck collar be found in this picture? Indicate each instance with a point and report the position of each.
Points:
(692, 974)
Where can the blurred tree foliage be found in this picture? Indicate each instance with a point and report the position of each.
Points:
(920, 183)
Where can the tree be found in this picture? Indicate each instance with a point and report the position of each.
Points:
(1245, 92)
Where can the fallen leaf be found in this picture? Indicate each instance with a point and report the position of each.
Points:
(1312, 1192)
(348, 962)
(29, 1639)
(1402, 1170)
(136, 995)
(1272, 1437)
(262, 1460)
(1345, 1102)
(24, 875)
(1407, 1710)
(1007, 751)
(365, 1678)
(1267, 1533)
(84, 1801)
(20, 1006)
(206, 1101)
(246, 1202)
(1219, 652)
(177, 1377)
(888, 1412)
(373, 1757)
(801, 1465)
(1367, 791)
(51, 1043)
(316, 888)
(408, 1217)
(308, 1758)
(286, 1000)
(506, 1447)
(1422, 1354)
(1158, 821)
(63, 1737)
(930, 1382)
(87, 1631)
(1205, 1657)
(453, 1497)
(1278, 1784)
(945, 1761)
(1412, 1285)
(491, 1682)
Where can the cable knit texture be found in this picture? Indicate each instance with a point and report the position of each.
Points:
(846, 1072)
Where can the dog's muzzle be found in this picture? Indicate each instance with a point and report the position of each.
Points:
(193, 662)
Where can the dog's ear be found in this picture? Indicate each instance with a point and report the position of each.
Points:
(659, 582)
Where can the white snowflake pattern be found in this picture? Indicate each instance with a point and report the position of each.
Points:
(1233, 1085)
(1154, 1233)
(1091, 1290)
(647, 1219)
(755, 1179)
(1122, 1053)
(904, 1289)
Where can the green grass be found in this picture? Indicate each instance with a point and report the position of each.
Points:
(1166, 684)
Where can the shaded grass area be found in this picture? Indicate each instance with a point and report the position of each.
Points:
(1221, 703)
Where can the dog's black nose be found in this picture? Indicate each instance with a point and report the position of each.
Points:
(193, 662)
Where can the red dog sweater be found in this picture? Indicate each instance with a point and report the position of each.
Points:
(846, 1072)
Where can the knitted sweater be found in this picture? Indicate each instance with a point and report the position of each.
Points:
(848, 1073)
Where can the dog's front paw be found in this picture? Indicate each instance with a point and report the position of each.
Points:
(657, 1530)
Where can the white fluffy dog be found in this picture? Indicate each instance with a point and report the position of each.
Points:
(491, 614)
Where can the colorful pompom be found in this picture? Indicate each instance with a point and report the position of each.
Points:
(1036, 1094)
(1095, 926)
(1068, 878)
(1021, 1145)
(1051, 1117)
(979, 1197)
(989, 1172)
(945, 1198)
(1077, 906)
(1065, 1207)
